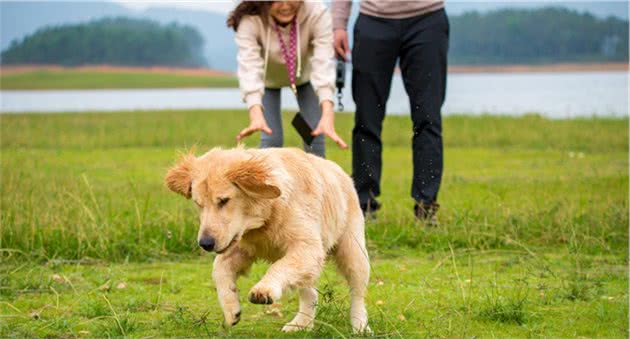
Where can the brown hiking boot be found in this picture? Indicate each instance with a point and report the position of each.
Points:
(426, 212)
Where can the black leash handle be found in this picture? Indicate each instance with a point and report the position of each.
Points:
(340, 81)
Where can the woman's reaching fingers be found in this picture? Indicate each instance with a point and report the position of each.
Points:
(244, 133)
(331, 134)
(251, 130)
(337, 139)
(317, 131)
(266, 129)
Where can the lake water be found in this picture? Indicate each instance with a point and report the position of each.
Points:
(556, 95)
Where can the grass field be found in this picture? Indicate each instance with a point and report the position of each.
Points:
(533, 238)
(91, 79)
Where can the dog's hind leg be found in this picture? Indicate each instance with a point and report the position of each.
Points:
(306, 315)
(226, 269)
(353, 262)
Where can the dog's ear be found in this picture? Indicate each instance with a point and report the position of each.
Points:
(179, 178)
(251, 176)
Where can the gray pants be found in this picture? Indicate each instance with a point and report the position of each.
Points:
(310, 109)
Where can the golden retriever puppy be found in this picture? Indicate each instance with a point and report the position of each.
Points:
(284, 206)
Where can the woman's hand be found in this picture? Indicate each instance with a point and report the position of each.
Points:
(256, 123)
(326, 124)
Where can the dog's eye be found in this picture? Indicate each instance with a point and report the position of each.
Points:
(223, 201)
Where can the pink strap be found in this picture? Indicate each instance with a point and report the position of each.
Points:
(289, 54)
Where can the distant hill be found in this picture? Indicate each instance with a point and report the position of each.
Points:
(19, 19)
(598, 8)
(118, 41)
(545, 35)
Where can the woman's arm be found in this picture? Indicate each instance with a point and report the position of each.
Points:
(326, 124)
(322, 65)
(323, 75)
(250, 63)
(250, 76)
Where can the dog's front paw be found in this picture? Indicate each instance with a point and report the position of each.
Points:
(362, 329)
(231, 318)
(265, 295)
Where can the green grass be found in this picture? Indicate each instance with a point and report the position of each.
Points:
(81, 79)
(532, 241)
(469, 293)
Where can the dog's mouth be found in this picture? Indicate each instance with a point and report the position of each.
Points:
(232, 242)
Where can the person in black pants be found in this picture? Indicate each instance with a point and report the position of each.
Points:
(421, 45)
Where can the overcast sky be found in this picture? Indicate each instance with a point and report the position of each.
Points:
(214, 5)
(601, 8)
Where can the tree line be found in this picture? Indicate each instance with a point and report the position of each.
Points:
(509, 36)
(536, 36)
(115, 41)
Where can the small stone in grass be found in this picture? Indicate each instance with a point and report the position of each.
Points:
(121, 286)
(274, 311)
(401, 317)
(57, 278)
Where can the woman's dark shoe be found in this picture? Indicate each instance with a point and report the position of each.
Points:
(426, 212)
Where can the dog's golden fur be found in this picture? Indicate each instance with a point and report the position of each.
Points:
(282, 205)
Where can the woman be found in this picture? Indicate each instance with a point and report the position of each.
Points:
(280, 44)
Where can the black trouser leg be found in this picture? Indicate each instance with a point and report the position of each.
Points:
(423, 62)
(374, 54)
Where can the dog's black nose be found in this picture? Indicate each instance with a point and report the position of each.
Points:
(207, 243)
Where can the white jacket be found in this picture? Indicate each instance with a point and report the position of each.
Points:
(261, 62)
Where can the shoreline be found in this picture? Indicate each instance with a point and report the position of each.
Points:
(204, 72)
(550, 68)
(19, 69)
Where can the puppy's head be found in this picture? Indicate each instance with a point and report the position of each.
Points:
(233, 192)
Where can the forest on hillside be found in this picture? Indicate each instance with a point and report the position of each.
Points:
(536, 36)
(115, 41)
